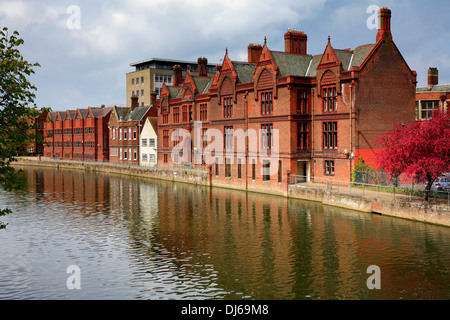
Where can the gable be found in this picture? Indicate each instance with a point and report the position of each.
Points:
(265, 80)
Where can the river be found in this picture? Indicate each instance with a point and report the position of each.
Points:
(135, 238)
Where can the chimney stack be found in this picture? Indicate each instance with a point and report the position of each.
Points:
(178, 77)
(384, 24)
(432, 78)
(153, 96)
(202, 66)
(134, 102)
(295, 42)
(254, 52)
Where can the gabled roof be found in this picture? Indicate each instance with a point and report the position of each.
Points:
(291, 64)
(100, 112)
(174, 92)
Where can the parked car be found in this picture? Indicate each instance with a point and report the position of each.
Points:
(441, 184)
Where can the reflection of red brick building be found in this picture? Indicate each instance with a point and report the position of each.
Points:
(327, 109)
(432, 97)
(78, 134)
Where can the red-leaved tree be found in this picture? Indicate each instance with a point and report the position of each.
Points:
(420, 150)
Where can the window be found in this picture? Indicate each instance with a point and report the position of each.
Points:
(253, 169)
(151, 142)
(266, 170)
(329, 167)
(134, 133)
(227, 167)
(217, 166)
(120, 153)
(266, 136)
(228, 137)
(176, 115)
(129, 133)
(266, 103)
(144, 157)
(144, 142)
(428, 107)
(142, 79)
(132, 81)
(151, 157)
(185, 113)
(190, 113)
(134, 153)
(129, 153)
(329, 99)
(302, 136)
(302, 102)
(165, 139)
(78, 144)
(204, 137)
(239, 168)
(125, 133)
(165, 115)
(203, 112)
(166, 158)
(113, 133)
(227, 107)
(120, 134)
(137, 80)
(280, 172)
(175, 137)
(67, 144)
(330, 135)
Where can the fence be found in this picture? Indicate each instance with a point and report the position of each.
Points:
(399, 188)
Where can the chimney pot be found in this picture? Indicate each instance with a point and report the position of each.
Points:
(178, 77)
(384, 24)
(254, 52)
(134, 102)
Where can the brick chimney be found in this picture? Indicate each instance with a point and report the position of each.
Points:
(153, 97)
(432, 78)
(254, 52)
(202, 66)
(295, 42)
(178, 76)
(134, 102)
(384, 24)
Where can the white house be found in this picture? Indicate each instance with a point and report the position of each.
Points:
(149, 143)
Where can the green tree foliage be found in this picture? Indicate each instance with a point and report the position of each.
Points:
(16, 115)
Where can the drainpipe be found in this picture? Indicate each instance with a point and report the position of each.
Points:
(246, 138)
(351, 129)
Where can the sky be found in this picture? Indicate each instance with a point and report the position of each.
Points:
(85, 48)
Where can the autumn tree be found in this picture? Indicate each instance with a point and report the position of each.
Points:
(420, 150)
(16, 108)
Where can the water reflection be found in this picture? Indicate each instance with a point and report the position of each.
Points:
(136, 238)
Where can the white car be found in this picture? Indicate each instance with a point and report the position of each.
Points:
(441, 184)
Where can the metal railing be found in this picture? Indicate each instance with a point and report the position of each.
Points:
(377, 191)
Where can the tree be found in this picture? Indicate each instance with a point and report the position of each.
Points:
(16, 96)
(420, 150)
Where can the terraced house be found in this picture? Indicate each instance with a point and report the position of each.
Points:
(125, 127)
(78, 134)
(288, 113)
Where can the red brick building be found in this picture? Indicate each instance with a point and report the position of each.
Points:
(78, 134)
(432, 97)
(125, 127)
(306, 115)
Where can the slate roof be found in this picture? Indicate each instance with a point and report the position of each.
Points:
(136, 114)
(436, 88)
(291, 64)
(201, 83)
(174, 92)
(244, 71)
(100, 112)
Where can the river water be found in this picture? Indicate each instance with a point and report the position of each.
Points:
(132, 238)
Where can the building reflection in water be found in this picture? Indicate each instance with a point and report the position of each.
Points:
(229, 244)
